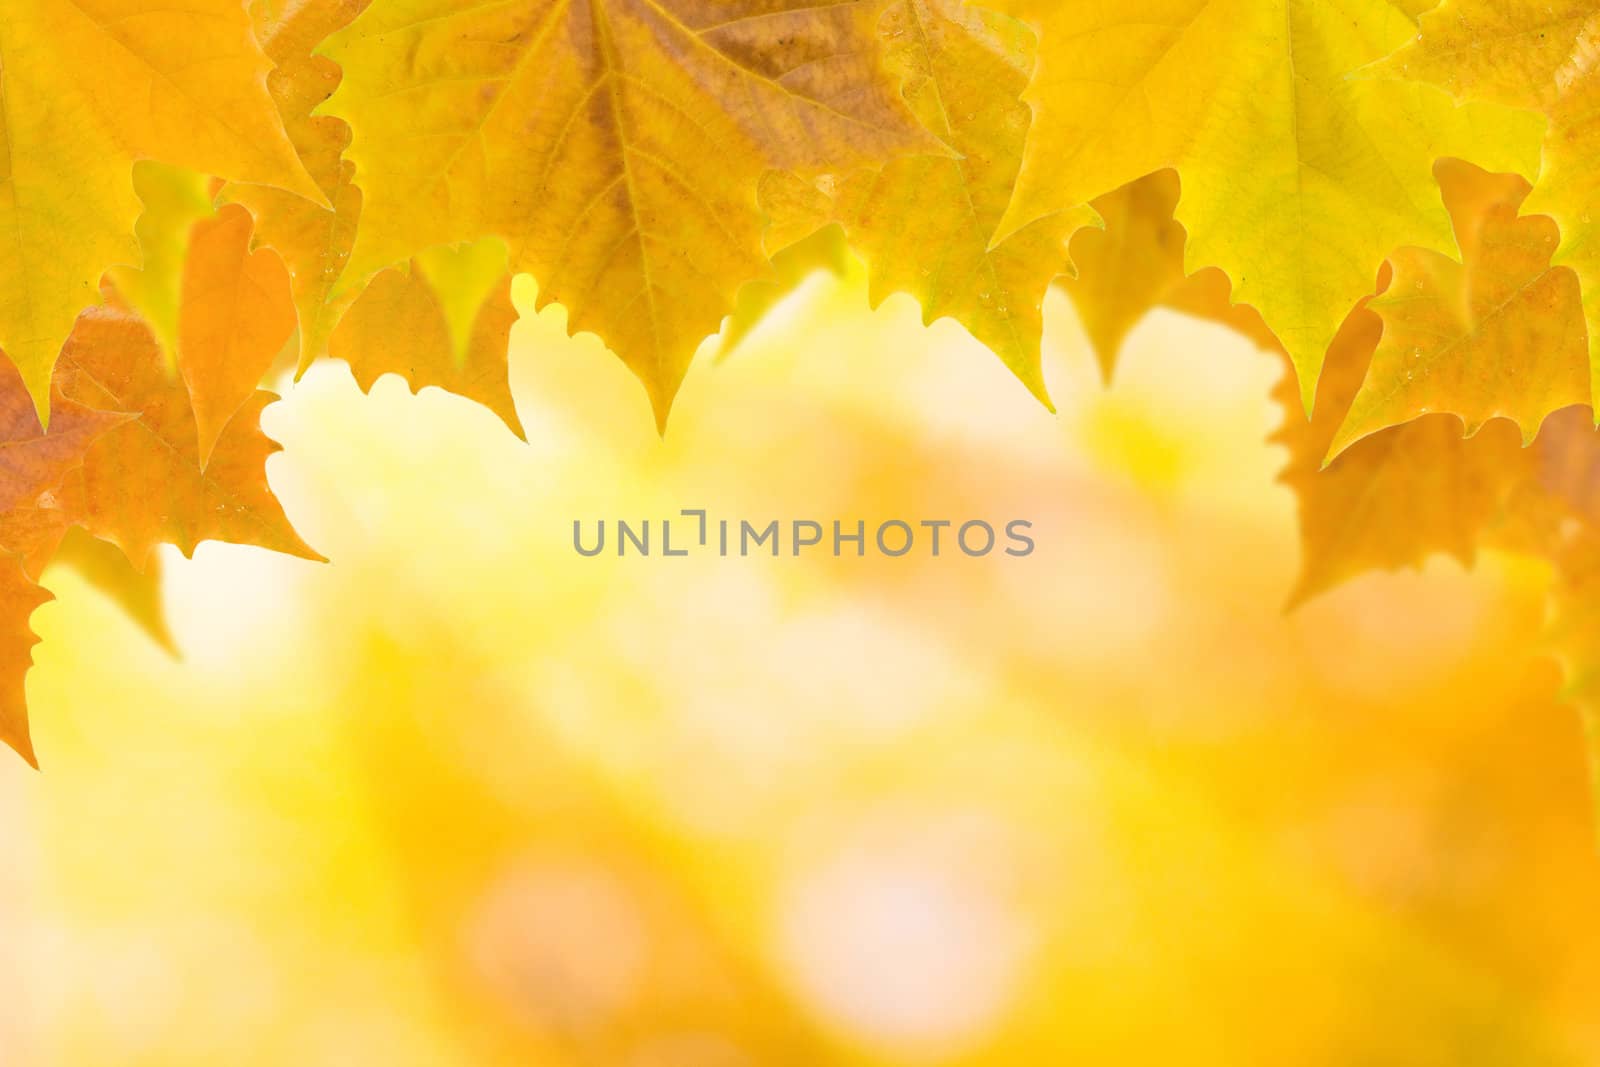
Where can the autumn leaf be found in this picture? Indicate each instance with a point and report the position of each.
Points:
(1134, 264)
(1397, 497)
(1500, 333)
(614, 145)
(1407, 492)
(1533, 53)
(923, 222)
(668, 167)
(397, 325)
(143, 482)
(236, 314)
(1128, 266)
(1298, 179)
(90, 87)
(314, 239)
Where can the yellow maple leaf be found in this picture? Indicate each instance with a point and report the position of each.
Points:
(1409, 491)
(1500, 333)
(923, 222)
(614, 145)
(1128, 266)
(89, 87)
(399, 326)
(1134, 264)
(1298, 179)
(1397, 497)
(1531, 53)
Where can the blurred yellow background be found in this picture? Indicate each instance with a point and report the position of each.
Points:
(464, 798)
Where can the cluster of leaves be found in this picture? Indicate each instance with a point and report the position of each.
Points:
(245, 184)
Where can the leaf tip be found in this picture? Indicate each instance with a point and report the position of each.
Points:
(23, 746)
(1342, 440)
(1014, 219)
(1033, 381)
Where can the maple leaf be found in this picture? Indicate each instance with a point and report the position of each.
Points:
(1297, 178)
(91, 86)
(143, 482)
(1500, 333)
(1134, 264)
(1394, 498)
(1420, 488)
(1533, 53)
(614, 145)
(314, 239)
(398, 326)
(923, 222)
(1128, 266)
(235, 315)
